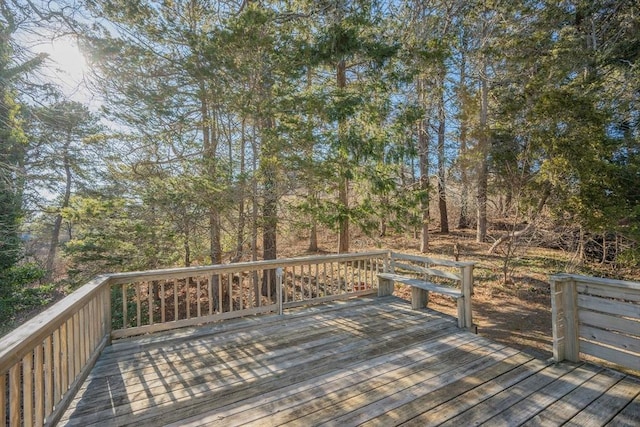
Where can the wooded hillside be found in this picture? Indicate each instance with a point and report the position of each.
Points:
(222, 127)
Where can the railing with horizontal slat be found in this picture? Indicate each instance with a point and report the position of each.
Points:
(596, 317)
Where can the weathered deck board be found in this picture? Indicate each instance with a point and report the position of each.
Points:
(371, 361)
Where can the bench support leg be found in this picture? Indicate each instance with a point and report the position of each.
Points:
(461, 313)
(419, 298)
(385, 287)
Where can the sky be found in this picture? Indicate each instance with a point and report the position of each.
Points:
(66, 67)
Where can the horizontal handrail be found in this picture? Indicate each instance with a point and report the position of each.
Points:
(19, 341)
(624, 284)
(184, 272)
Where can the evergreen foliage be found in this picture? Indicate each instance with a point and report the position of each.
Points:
(224, 123)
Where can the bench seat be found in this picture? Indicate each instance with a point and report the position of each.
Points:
(422, 284)
(420, 292)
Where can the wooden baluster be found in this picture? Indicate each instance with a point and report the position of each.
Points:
(230, 290)
(39, 386)
(72, 349)
(198, 303)
(240, 291)
(93, 320)
(3, 398)
(210, 293)
(57, 383)
(65, 375)
(82, 336)
(138, 305)
(15, 398)
(77, 334)
(175, 300)
(331, 286)
(163, 303)
(220, 300)
(125, 321)
(48, 376)
(27, 389)
(187, 288)
(150, 288)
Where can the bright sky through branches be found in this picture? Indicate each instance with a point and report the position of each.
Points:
(66, 67)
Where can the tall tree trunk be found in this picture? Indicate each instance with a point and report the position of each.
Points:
(343, 185)
(241, 196)
(186, 237)
(57, 224)
(442, 195)
(423, 156)
(463, 220)
(313, 236)
(209, 144)
(483, 167)
(254, 210)
(313, 229)
(268, 165)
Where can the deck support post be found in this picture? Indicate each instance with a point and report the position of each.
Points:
(564, 312)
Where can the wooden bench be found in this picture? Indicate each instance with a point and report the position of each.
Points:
(420, 288)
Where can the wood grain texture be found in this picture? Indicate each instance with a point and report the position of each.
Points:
(368, 361)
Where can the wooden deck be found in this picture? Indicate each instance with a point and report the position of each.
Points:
(367, 361)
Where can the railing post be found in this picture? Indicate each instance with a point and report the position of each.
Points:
(564, 312)
(467, 290)
(279, 274)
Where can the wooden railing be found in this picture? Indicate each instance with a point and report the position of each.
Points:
(152, 301)
(44, 361)
(596, 317)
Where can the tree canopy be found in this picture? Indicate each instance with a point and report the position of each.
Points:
(223, 125)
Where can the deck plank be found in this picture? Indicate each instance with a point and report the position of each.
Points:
(569, 405)
(506, 398)
(331, 382)
(369, 361)
(528, 408)
(419, 405)
(607, 406)
(630, 414)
